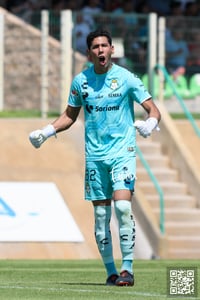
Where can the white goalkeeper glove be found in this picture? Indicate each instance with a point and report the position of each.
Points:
(38, 137)
(145, 128)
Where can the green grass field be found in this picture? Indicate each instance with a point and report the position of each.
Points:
(85, 279)
(54, 114)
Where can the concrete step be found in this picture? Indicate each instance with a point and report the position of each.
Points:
(149, 147)
(184, 253)
(160, 173)
(182, 228)
(172, 201)
(184, 242)
(182, 218)
(155, 160)
(168, 188)
(179, 215)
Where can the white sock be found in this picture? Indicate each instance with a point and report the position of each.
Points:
(126, 223)
(103, 237)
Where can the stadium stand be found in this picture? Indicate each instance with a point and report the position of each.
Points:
(183, 88)
(45, 165)
(194, 84)
(168, 93)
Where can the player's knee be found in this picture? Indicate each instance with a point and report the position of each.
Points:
(102, 227)
(123, 210)
(102, 216)
(100, 211)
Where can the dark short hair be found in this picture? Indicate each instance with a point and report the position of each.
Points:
(98, 32)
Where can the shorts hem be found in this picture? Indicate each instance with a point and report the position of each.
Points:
(91, 200)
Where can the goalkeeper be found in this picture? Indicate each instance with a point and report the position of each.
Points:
(107, 92)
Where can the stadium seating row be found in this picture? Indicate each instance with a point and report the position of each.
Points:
(186, 88)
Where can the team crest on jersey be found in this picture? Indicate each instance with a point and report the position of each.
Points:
(114, 84)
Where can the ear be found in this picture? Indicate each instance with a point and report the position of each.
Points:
(88, 55)
(112, 49)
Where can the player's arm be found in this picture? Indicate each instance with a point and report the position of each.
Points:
(151, 109)
(63, 122)
(145, 128)
(66, 119)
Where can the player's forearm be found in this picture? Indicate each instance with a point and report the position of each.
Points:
(151, 109)
(154, 113)
(62, 123)
(66, 119)
(38, 137)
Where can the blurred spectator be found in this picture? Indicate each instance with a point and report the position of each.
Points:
(23, 9)
(194, 48)
(172, 24)
(162, 8)
(175, 9)
(143, 7)
(80, 31)
(127, 6)
(31, 7)
(191, 9)
(17, 7)
(135, 51)
(177, 51)
(58, 5)
(73, 5)
(92, 8)
(180, 71)
(112, 5)
(183, 3)
(124, 22)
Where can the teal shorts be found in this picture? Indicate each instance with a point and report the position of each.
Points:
(104, 177)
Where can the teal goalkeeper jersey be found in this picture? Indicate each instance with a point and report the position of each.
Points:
(108, 103)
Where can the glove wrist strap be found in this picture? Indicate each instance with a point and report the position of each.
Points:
(49, 130)
(152, 123)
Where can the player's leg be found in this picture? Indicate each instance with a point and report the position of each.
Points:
(126, 224)
(98, 188)
(102, 215)
(124, 179)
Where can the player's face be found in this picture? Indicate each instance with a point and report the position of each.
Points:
(100, 54)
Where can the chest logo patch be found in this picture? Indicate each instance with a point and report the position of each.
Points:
(114, 84)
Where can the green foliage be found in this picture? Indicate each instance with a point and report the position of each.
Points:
(181, 116)
(25, 114)
(52, 114)
(82, 280)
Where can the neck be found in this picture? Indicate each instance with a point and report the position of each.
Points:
(104, 69)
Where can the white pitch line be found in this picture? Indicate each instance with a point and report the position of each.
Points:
(142, 294)
(82, 290)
